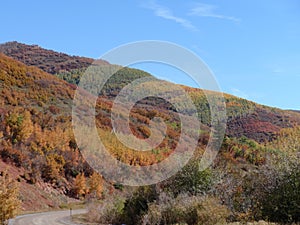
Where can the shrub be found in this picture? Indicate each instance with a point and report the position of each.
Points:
(137, 205)
(282, 204)
(108, 212)
(121, 210)
(186, 210)
(190, 180)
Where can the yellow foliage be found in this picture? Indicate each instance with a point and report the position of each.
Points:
(79, 187)
(96, 185)
(9, 202)
(19, 126)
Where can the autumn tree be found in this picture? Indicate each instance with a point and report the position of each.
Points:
(9, 201)
(79, 186)
(52, 170)
(95, 183)
(19, 126)
(26, 127)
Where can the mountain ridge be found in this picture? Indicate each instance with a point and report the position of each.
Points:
(48, 60)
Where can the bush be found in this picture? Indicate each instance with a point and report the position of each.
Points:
(186, 210)
(190, 180)
(282, 204)
(108, 212)
(137, 205)
(121, 210)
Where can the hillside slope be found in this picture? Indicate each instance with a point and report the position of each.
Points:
(35, 129)
(36, 133)
(38, 147)
(245, 118)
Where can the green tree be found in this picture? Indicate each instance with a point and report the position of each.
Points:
(190, 180)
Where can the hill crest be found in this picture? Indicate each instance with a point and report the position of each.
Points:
(48, 60)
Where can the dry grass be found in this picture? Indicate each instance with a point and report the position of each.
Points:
(82, 219)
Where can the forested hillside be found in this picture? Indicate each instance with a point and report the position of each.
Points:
(255, 175)
(245, 118)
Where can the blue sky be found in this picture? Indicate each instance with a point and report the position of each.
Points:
(252, 46)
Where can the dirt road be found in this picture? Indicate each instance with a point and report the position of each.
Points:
(48, 218)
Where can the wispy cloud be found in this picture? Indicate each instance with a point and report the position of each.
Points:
(207, 10)
(166, 13)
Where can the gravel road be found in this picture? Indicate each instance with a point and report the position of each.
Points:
(48, 218)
